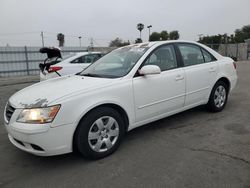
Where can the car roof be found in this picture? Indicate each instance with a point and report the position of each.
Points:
(158, 43)
(150, 44)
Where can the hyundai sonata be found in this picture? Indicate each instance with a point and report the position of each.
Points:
(90, 112)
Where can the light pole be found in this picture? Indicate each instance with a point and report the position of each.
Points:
(80, 41)
(149, 26)
(42, 38)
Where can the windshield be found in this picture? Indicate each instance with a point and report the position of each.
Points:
(117, 63)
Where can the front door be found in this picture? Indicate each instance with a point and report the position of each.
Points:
(157, 95)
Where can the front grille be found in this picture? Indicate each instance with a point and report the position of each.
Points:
(9, 112)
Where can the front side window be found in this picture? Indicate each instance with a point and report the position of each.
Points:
(191, 54)
(117, 63)
(164, 57)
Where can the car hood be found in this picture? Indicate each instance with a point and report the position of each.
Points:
(44, 93)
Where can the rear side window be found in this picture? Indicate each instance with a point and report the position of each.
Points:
(91, 58)
(207, 56)
(191, 54)
(77, 60)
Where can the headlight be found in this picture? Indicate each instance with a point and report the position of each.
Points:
(38, 115)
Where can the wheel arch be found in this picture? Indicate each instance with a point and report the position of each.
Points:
(226, 81)
(223, 79)
(117, 107)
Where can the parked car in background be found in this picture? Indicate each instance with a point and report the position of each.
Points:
(129, 87)
(71, 64)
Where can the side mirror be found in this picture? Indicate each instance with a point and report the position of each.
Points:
(149, 70)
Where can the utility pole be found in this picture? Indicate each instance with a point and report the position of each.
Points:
(91, 43)
(42, 38)
(149, 26)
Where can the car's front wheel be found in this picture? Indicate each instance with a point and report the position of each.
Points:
(99, 133)
(218, 97)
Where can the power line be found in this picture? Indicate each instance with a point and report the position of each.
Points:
(49, 34)
(19, 33)
(66, 34)
(46, 33)
(94, 41)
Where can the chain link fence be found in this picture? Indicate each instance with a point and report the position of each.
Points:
(20, 61)
(238, 51)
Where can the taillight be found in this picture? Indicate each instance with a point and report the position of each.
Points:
(234, 64)
(54, 69)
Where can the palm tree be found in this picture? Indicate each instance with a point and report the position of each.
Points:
(140, 27)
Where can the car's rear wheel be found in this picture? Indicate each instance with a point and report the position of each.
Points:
(218, 97)
(99, 133)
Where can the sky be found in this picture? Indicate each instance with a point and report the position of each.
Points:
(21, 21)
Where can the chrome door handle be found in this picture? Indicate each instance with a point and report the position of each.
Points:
(179, 77)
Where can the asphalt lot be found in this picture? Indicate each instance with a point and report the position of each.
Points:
(195, 148)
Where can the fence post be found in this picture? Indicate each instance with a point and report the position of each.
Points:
(26, 60)
(237, 50)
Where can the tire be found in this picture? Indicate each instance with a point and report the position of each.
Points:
(218, 97)
(99, 133)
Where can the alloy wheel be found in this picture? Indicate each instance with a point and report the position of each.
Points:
(103, 134)
(220, 96)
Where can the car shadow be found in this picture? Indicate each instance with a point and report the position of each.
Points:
(172, 122)
(177, 121)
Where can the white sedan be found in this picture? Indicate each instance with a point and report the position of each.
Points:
(71, 65)
(129, 87)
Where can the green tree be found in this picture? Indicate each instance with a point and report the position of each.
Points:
(242, 34)
(164, 35)
(118, 43)
(214, 39)
(174, 35)
(155, 36)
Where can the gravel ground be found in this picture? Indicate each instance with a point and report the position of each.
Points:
(195, 148)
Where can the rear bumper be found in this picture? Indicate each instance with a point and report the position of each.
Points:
(48, 76)
(46, 142)
(233, 82)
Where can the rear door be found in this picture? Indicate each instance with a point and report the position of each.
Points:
(201, 70)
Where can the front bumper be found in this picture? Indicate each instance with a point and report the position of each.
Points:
(42, 140)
